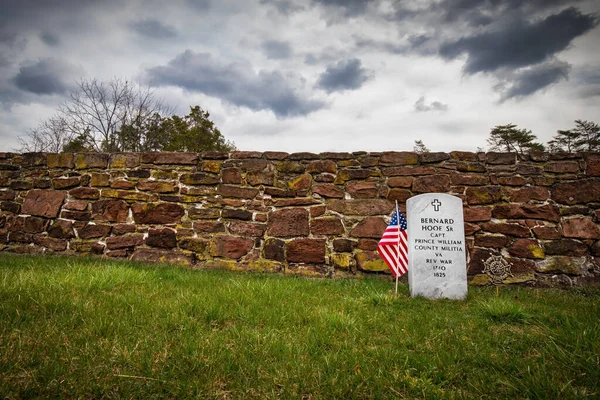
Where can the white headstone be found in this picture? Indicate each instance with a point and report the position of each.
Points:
(437, 266)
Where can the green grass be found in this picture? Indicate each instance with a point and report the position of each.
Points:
(89, 328)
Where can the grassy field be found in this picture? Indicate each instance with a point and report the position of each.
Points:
(89, 328)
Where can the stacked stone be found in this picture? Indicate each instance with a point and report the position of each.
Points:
(301, 213)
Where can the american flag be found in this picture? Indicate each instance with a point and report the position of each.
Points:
(393, 246)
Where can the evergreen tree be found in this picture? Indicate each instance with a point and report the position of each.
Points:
(509, 138)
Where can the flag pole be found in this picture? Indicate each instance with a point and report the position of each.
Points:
(397, 248)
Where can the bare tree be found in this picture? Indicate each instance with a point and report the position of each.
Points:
(93, 115)
(51, 135)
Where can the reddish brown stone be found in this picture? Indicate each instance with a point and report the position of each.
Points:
(299, 201)
(562, 167)
(110, 210)
(493, 241)
(157, 186)
(121, 242)
(91, 231)
(247, 229)
(546, 232)
(21, 185)
(431, 184)
(7, 195)
(470, 167)
(274, 249)
(231, 175)
(140, 173)
(303, 156)
(546, 212)
(10, 207)
(361, 206)
(43, 203)
(256, 178)
(362, 190)
(592, 161)
(65, 183)
(278, 192)
(372, 227)
(20, 237)
(209, 227)
(526, 248)
(124, 160)
(434, 157)
(199, 178)
(326, 226)
(91, 160)
(246, 154)
(231, 246)
(483, 195)
(463, 155)
(237, 192)
(348, 174)
(50, 243)
(526, 194)
(85, 193)
(170, 158)
(344, 245)
(506, 229)
(122, 184)
(161, 256)
(275, 155)
(400, 181)
(317, 211)
(408, 171)
(303, 182)
(393, 158)
(400, 195)
(583, 191)
(304, 250)
(76, 215)
(157, 213)
(367, 244)
(288, 222)
(319, 166)
(164, 238)
(122, 229)
(475, 214)
(204, 213)
(61, 229)
(512, 180)
(328, 190)
(525, 169)
(469, 180)
(565, 247)
(290, 166)
(192, 244)
(580, 228)
(595, 249)
(76, 205)
(236, 214)
(501, 158)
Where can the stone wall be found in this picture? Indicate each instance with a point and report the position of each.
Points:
(302, 213)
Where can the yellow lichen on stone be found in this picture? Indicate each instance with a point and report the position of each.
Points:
(370, 264)
(262, 265)
(537, 251)
(480, 280)
(520, 278)
(118, 161)
(342, 261)
(212, 166)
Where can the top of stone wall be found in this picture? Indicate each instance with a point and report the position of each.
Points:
(386, 158)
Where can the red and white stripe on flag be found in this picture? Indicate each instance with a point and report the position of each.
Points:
(393, 246)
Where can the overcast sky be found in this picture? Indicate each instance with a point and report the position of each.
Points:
(315, 75)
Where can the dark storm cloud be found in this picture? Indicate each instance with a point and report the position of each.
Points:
(277, 50)
(420, 105)
(154, 29)
(236, 83)
(344, 75)
(49, 39)
(47, 76)
(537, 78)
(521, 44)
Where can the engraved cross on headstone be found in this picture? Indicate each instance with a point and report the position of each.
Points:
(436, 204)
